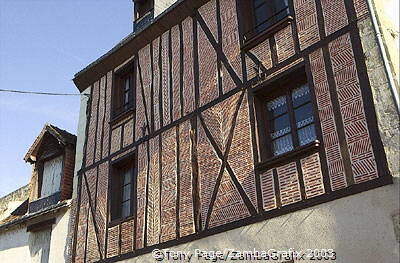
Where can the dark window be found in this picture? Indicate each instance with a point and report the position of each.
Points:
(143, 14)
(289, 117)
(263, 14)
(124, 90)
(122, 192)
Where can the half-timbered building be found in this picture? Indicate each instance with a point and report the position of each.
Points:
(238, 124)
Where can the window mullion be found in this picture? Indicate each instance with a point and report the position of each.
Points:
(292, 119)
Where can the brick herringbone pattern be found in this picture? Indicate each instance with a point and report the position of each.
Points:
(141, 194)
(228, 206)
(230, 42)
(327, 118)
(186, 218)
(289, 184)
(153, 206)
(352, 109)
(92, 249)
(307, 22)
(176, 72)
(312, 175)
(169, 185)
(166, 86)
(156, 84)
(116, 139)
(209, 165)
(128, 133)
(145, 65)
(268, 190)
(101, 203)
(127, 236)
(207, 56)
(284, 44)
(107, 118)
(140, 125)
(335, 16)
(263, 54)
(82, 225)
(113, 241)
(188, 75)
(101, 112)
(240, 156)
(361, 8)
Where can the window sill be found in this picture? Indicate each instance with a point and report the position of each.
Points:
(257, 38)
(120, 221)
(287, 157)
(116, 118)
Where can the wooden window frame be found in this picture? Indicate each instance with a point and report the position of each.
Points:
(282, 86)
(119, 108)
(116, 189)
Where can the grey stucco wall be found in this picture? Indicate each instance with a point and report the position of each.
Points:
(18, 245)
(388, 120)
(80, 140)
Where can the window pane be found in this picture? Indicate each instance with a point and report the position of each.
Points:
(126, 192)
(282, 145)
(281, 9)
(277, 107)
(304, 115)
(307, 134)
(258, 2)
(126, 98)
(262, 14)
(126, 209)
(279, 126)
(127, 175)
(301, 95)
(127, 86)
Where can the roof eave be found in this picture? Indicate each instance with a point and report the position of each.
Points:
(134, 42)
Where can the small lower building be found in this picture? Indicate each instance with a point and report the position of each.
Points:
(34, 219)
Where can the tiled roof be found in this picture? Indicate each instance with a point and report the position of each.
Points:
(61, 135)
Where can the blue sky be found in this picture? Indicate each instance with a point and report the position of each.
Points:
(43, 43)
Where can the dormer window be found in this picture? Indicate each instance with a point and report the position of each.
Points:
(143, 14)
(53, 157)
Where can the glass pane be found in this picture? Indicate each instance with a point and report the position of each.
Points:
(126, 98)
(301, 95)
(126, 209)
(258, 2)
(281, 7)
(279, 126)
(262, 14)
(126, 192)
(282, 145)
(127, 175)
(277, 107)
(304, 115)
(127, 86)
(307, 134)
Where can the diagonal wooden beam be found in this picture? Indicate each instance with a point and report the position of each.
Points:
(225, 164)
(218, 48)
(143, 96)
(96, 229)
(256, 61)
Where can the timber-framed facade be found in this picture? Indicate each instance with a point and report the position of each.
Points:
(195, 131)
